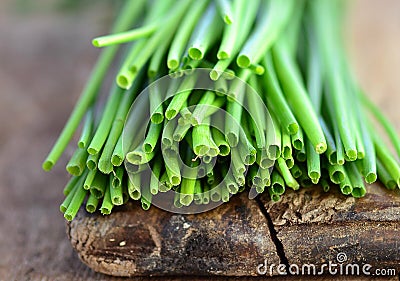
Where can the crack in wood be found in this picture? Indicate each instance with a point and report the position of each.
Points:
(280, 250)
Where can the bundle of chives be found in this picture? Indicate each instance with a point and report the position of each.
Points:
(282, 108)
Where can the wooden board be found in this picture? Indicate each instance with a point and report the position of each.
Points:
(306, 227)
(44, 63)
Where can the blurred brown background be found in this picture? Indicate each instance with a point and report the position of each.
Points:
(45, 58)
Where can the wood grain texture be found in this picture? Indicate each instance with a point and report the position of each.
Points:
(314, 227)
(44, 63)
(230, 241)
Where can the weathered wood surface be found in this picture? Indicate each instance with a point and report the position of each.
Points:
(230, 240)
(45, 58)
(315, 227)
(309, 227)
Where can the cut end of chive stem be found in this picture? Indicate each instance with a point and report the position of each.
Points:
(371, 178)
(157, 118)
(173, 64)
(74, 170)
(214, 75)
(123, 82)
(170, 114)
(115, 160)
(293, 128)
(358, 192)
(96, 43)
(147, 147)
(222, 55)
(346, 189)
(195, 53)
(92, 151)
(47, 165)
(352, 154)
(228, 19)
(91, 165)
(321, 148)
(243, 61)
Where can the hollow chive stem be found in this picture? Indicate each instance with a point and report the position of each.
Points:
(327, 34)
(368, 168)
(356, 180)
(92, 160)
(202, 107)
(296, 171)
(106, 121)
(301, 155)
(258, 112)
(234, 108)
(164, 185)
(297, 140)
(157, 59)
(336, 173)
(138, 156)
(266, 32)
(125, 37)
(386, 158)
(152, 137)
(167, 136)
(230, 49)
(286, 174)
(107, 204)
(118, 176)
(202, 39)
(155, 176)
(286, 145)
(172, 167)
(290, 79)
(134, 184)
(220, 141)
(105, 164)
(86, 130)
(346, 186)
(331, 146)
(115, 192)
(156, 106)
(77, 163)
(388, 181)
(89, 179)
(188, 182)
(128, 15)
(274, 138)
(91, 204)
(180, 131)
(146, 198)
(183, 33)
(70, 185)
(118, 154)
(75, 204)
(163, 34)
(275, 98)
(277, 184)
(231, 32)
(143, 49)
(313, 163)
(98, 186)
(180, 96)
(202, 139)
(225, 11)
(68, 199)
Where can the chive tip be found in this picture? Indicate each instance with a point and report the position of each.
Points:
(195, 53)
(243, 61)
(47, 165)
(222, 55)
